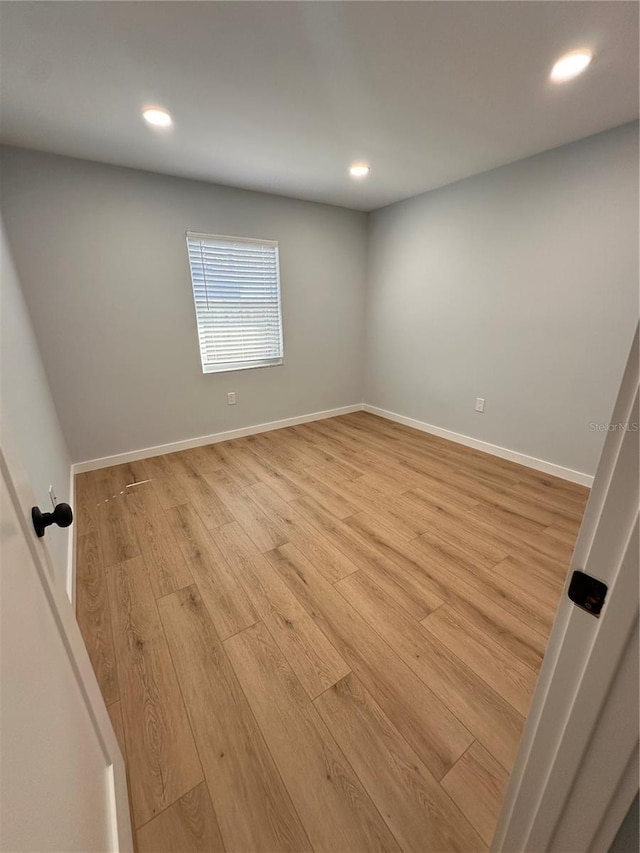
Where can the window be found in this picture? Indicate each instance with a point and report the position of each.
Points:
(236, 290)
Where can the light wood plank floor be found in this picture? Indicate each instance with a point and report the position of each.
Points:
(320, 638)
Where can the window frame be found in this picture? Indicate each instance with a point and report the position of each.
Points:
(230, 367)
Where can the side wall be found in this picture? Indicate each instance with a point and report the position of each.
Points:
(29, 428)
(519, 285)
(103, 263)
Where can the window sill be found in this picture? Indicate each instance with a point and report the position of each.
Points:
(231, 368)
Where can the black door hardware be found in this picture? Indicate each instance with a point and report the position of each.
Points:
(587, 592)
(62, 516)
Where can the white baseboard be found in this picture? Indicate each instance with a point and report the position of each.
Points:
(173, 447)
(493, 449)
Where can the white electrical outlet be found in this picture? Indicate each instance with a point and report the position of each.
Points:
(53, 496)
(479, 404)
(231, 398)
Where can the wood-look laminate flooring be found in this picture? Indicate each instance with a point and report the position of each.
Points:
(323, 638)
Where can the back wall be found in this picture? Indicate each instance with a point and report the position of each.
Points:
(103, 263)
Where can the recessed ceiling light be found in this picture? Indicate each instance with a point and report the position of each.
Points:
(359, 170)
(157, 117)
(570, 65)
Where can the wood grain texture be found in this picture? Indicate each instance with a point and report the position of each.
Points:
(310, 654)
(87, 500)
(117, 531)
(406, 521)
(264, 533)
(166, 565)
(329, 559)
(262, 470)
(226, 459)
(170, 492)
(429, 726)
(127, 474)
(328, 498)
(386, 596)
(448, 528)
(435, 573)
(221, 590)
(361, 550)
(514, 538)
(391, 568)
(534, 572)
(494, 603)
(333, 806)
(161, 755)
(480, 709)
(189, 824)
(94, 614)
(412, 803)
(564, 534)
(158, 466)
(200, 494)
(460, 570)
(501, 670)
(477, 783)
(253, 808)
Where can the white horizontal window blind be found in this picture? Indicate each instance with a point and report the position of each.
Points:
(236, 290)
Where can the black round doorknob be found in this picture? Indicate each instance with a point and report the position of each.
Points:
(62, 516)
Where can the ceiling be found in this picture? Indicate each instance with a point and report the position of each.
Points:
(283, 96)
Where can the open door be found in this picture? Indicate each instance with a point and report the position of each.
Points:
(62, 776)
(576, 773)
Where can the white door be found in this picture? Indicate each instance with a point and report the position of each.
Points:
(576, 773)
(62, 776)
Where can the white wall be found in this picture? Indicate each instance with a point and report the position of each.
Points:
(103, 263)
(29, 428)
(519, 285)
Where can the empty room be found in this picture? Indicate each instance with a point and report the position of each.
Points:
(319, 426)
